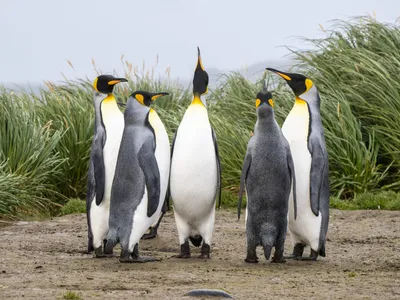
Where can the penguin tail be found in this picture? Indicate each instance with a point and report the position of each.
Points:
(322, 251)
(196, 240)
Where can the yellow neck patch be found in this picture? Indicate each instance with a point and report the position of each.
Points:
(109, 98)
(197, 101)
(300, 101)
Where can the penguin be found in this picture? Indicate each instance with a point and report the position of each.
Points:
(195, 177)
(268, 174)
(309, 217)
(108, 127)
(141, 177)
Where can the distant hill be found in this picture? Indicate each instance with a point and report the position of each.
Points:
(252, 72)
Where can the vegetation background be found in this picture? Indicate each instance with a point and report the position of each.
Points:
(45, 138)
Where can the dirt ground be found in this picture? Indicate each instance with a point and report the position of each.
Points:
(44, 260)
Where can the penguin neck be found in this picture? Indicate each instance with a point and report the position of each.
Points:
(300, 109)
(267, 123)
(311, 111)
(109, 109)
(198, 101)
(135, 113)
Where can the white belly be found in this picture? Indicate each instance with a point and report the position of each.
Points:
(194, 166)
(113, 121)
(140, 220)
(306, 227)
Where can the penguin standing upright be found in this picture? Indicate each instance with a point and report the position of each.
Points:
(268, 174)
(141, 177)
(108, 127)
(309, 218)
(195, 172)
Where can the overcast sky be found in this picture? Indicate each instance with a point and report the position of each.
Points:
(38, 37)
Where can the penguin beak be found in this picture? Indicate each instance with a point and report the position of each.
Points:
(282, 74)
(117, 80)
(199, 62)
(154, 96)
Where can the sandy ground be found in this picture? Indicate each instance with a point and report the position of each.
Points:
(44, 260)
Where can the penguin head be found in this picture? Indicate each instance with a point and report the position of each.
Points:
(146, 98)
(200, 79)
(105, 83)
(264, 104)
(264, 97)
(299, 83)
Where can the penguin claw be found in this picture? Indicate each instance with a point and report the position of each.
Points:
(251, 260)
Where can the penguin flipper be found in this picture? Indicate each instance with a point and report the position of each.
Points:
(149, 166)
(214, 137)
(318, 173)
(245, 170)
(293, 180)
(98, 164)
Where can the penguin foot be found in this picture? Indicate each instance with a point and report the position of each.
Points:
(313, 256)
(297, 252)
(151, 235)
(205, 251)
(251, 260)
(278, 260)
(98, 253)
(185, 251)
(127, 257)
(310, 258)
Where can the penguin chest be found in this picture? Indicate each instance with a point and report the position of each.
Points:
(113, 121)
(194, 164)
(306, 226)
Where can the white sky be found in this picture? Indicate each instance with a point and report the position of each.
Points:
(37, 37)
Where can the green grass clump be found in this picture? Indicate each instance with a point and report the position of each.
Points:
(69, 295)
(356, 68)
(29, 163)
(74, 206)
(387, 200)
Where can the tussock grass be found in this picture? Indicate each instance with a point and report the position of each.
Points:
(45, 139)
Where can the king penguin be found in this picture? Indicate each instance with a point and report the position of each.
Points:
(309, 217)
(195, 172)
(108, 128)
(268, 174)
(141, 177)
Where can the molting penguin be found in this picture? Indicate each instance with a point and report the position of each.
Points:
(305, 134)
(195, 172)
(268, 174)
(141, 177)
(108, 127)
